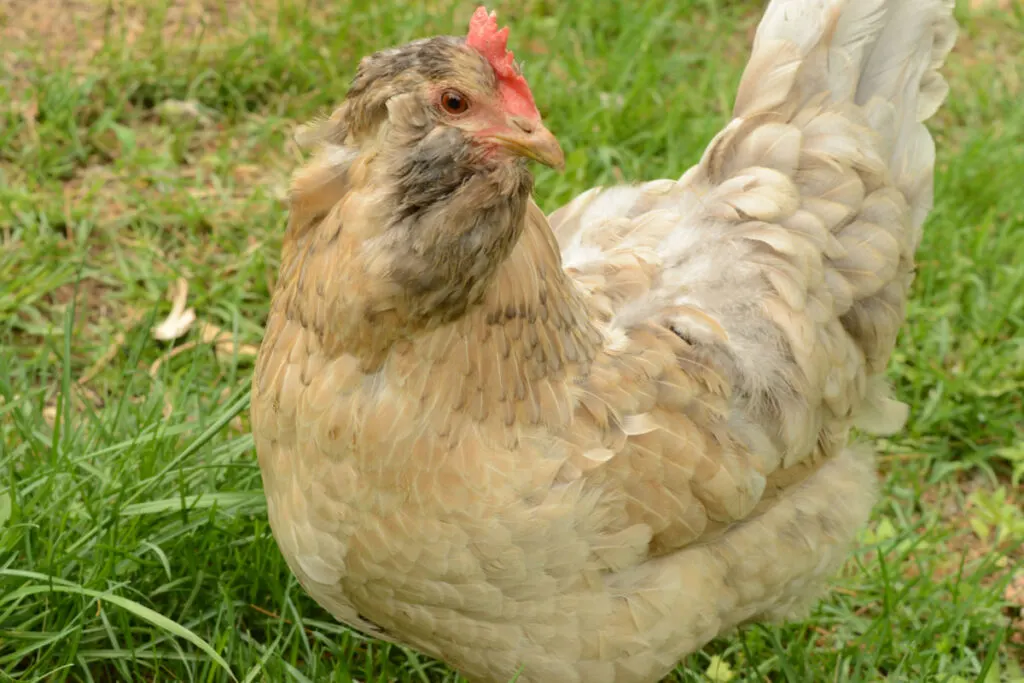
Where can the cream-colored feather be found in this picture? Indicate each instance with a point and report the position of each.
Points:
(638, 438)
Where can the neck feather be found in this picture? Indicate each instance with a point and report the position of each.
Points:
(381, 249)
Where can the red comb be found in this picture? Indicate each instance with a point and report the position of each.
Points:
(485, 38)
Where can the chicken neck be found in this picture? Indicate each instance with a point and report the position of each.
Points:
(401, 250)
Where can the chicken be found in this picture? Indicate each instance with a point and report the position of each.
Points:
(576, 448)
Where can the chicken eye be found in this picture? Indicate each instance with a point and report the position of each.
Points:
(454, 102)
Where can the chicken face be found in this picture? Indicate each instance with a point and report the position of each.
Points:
(462, 99)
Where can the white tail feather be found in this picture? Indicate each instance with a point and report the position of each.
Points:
(883, 55)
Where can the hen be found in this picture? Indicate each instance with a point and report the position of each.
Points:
(578, 447)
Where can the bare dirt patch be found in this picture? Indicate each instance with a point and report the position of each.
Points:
(79, 28)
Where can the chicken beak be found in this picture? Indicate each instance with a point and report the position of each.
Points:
(532, 140)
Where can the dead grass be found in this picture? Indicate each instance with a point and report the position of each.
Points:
(66, 32)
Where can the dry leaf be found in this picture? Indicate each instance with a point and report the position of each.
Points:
(225, 344)
(180, 319)
(174, 111)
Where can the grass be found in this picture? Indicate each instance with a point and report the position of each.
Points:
(133, 538)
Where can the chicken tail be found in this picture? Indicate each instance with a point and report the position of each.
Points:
(882, 55)
(828, 144)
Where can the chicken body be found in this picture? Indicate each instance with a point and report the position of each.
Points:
(610, 435)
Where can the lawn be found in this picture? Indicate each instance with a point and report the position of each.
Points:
(144, 150)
